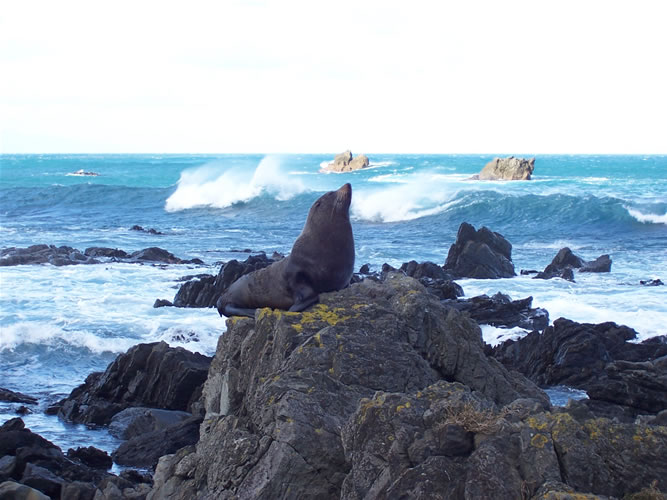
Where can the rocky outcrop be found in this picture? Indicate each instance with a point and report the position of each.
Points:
(67, 256)
(501, 311)
(507, 169)
(595, 358)
(479, 254)
(204, 290)
(344, 162)
(16, 397)
(148, 375)
(33, 468)
(434, 278)
(381, 391)
(565, 261)
(149, 231)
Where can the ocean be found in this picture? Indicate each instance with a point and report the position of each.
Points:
(58, 324)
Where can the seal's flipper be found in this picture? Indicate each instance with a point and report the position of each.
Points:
(304, 297)
(232, 310)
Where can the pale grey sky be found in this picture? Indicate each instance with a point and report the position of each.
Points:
(272, 76)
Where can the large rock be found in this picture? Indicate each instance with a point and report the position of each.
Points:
(380, 391)
(596, 358)
(434, 278)
(283, 385)
(507, 169)
(16, 397)
(204, 290)
(344, 162)
(150, 375)
(479, 254)
(565, 261)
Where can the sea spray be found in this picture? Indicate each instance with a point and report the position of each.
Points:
(218, 185)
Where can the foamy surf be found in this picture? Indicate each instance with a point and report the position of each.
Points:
(219, 186)
(647, 218)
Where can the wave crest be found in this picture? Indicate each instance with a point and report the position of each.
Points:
(219, 186)
(647, 218)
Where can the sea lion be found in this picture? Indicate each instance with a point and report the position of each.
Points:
(321, 260)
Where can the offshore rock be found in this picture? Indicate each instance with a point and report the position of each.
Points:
(344, 162)
(507, 169)
(16, 397)
(595, 358)
(152, 375)
(204, 290)
(565, 261)
(283, 386)
(479, 254)
(501, 311)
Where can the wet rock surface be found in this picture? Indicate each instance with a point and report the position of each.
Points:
(501, 311)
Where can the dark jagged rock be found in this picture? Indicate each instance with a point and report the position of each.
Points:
(144, 450)
(162, 303)
(142, 230)
(112, 253)
(479, 254)
(91, 456)
(28, 459)
(501, 311)
(204, 290)
(655, 282)
(150, 375)
(381, 391)
(595, 358)
(565, 261)
(434, 278)
(156, 254)
(600, 265)
(16, 397)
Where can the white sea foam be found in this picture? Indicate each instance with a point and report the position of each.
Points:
(494, 336)
(217, 185)
(647, 218)
(417, 196)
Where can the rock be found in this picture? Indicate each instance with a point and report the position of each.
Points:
(344, 162)
(503, 312)
(204, 290)
(562, 264)
(595, 358)
(655, 282)
(162, 303)
(11, 490)
(479, 254)
(150, 375)
(283, 386)
(16, 397)
(600, 265)
(142, 230)
(91, 456)
(507, 169)
(67, 256)
(133, 422)
(434, 278)
(144, 450)
(113, 253)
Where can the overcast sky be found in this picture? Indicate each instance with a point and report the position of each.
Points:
(475, 76)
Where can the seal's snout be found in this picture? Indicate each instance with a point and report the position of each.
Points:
(344, 194)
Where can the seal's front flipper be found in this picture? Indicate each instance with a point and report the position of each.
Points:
(231, 310)
(304, 297)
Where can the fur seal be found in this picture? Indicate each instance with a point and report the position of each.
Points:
(321, 260)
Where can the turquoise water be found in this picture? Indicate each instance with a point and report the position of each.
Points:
(59, 324)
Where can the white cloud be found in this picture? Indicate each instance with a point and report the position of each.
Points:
(299, 76)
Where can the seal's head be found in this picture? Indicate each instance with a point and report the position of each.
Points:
(332, 207)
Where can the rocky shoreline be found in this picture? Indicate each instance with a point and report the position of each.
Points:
(382, 390)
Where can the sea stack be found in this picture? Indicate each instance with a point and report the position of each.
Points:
(344, 162)
(507, 169)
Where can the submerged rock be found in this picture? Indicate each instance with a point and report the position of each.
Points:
(479, 254)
